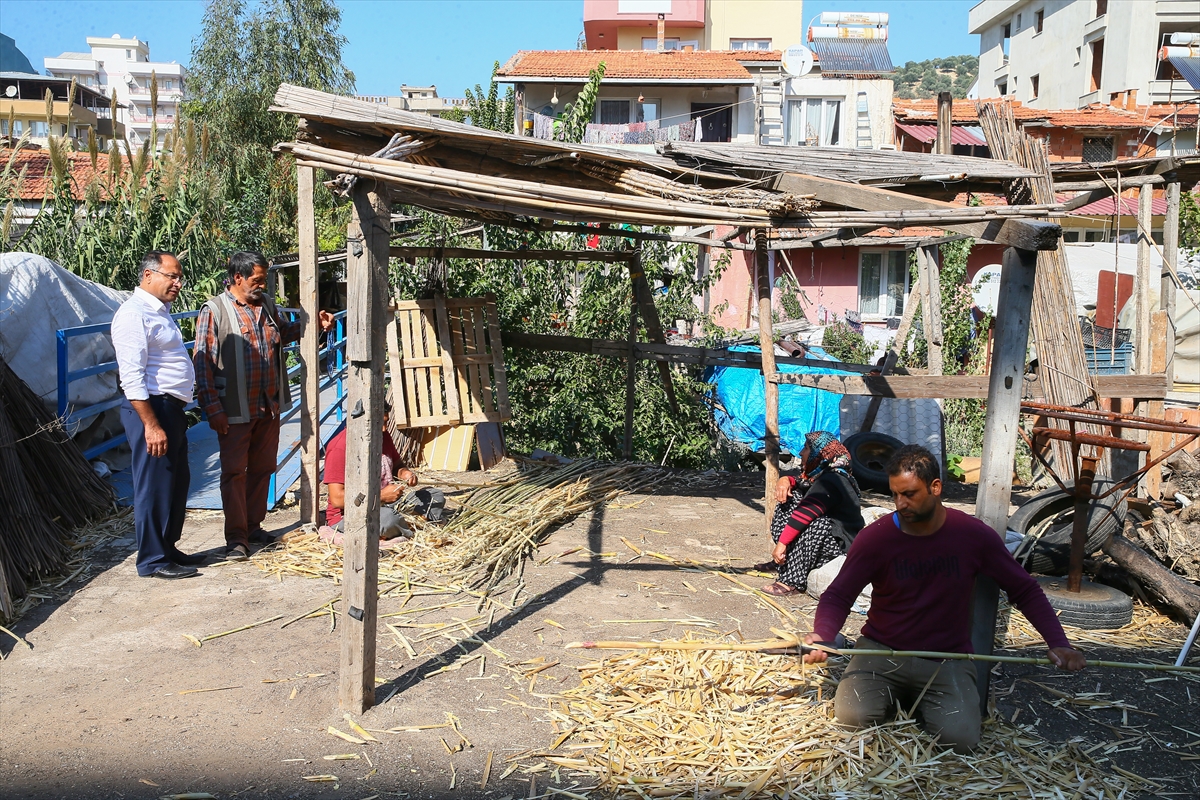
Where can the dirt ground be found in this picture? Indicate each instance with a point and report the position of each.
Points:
(105, 704)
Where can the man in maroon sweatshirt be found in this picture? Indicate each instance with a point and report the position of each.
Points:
(922, 563)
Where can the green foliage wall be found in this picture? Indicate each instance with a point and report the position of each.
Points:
(574, 404)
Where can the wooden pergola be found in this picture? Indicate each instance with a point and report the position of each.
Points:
(383, 156)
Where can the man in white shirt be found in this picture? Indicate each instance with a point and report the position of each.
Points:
(157, 379)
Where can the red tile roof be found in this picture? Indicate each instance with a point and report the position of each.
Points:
(1097, 115)
(38, 181)
(705, 65)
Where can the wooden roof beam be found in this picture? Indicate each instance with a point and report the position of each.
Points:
(1012, 232)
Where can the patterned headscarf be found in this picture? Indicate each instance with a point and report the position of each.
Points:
(826, 452)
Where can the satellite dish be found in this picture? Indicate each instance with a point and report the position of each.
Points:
(10, 91)
(797, 60)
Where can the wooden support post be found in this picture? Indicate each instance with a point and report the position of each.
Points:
(945, 122)
(654, 330)
(1170, 269)
(631, 376)
(310, 359)
(366, 277)
(1142, 284)
(1013, 310)
(766, 341)
(931, 305)
(1160, 331)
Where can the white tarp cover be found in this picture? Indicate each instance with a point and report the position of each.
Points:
(37, 297)
(1187, 340)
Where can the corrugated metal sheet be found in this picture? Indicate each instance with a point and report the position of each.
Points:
(928, 133)
(1189, 68)
(852, 58)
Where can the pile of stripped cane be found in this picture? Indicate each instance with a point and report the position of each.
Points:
(496, 527)
(685, 724)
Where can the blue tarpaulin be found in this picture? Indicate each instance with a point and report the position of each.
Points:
(741, 407)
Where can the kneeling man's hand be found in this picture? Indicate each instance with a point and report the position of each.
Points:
(814, 656)
(1067, 658)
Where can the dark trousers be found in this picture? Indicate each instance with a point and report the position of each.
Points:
(248, 454)
(160, 484)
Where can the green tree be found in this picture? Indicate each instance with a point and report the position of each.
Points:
(486, 109)
(244, 52)
(578, 114)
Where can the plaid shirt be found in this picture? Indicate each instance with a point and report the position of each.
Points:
(263, 343)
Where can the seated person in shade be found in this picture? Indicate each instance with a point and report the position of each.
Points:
(395, 495)
(814, 526)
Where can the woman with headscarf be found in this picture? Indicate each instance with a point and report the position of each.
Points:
(817, 513)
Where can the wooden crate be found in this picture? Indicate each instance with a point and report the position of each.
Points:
(447, 363)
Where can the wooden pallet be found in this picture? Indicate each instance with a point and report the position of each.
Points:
(429, 340)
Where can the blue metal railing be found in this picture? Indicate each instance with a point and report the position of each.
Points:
(335, 348)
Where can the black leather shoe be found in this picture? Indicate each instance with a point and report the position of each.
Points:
(261, 537)
(183, 559)
(173, 571)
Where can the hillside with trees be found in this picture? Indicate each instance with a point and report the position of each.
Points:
(922, 79)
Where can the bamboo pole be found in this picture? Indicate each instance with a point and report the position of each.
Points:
(792, 642)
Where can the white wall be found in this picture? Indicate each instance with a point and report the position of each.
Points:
(676, 100)
(1061, 54)
(879, 104)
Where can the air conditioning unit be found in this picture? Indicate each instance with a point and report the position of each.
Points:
(887, 147)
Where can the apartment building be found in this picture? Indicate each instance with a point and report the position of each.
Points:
(23, 110)
(715, 67)
(422, 99)
(693, 24)
(1072, 53)
(124, 66)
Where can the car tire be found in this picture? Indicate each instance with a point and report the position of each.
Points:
(1095, 607)
(1046, 521)
(869, 454)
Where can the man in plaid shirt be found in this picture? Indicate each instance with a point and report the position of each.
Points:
(241, 383)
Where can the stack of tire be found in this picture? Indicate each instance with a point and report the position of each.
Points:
(869, 454)
(1046, 521)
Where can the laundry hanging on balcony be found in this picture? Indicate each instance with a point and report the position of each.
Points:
(639, 133)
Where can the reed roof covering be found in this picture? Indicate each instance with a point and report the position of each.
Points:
(466, 171)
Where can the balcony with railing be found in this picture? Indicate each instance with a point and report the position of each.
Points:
(172, 94)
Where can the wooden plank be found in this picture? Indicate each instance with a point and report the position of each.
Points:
(478, 330)
(931, 304)
(1014, 232)
(1167, 295)
(654, 330)
(972, 387)
(310, 355)
(431, 377)
(1142, 284)
(406, 328)
(367, 280)
(453, 406)
(766, 341)
(460, 374)
(1014, 309)
(498, 376)
(605, 256)
(396, 369)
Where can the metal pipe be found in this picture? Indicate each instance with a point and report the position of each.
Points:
(1079, 528)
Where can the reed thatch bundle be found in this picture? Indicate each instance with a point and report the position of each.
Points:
(47, 488)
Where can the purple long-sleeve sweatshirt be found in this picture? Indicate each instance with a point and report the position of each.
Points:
(922, 586)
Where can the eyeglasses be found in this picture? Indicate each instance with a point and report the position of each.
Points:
(179, 279)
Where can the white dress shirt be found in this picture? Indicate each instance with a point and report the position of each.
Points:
(151, 356)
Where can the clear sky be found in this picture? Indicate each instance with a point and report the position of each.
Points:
(450, 43)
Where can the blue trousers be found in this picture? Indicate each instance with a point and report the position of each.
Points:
(160, 484)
